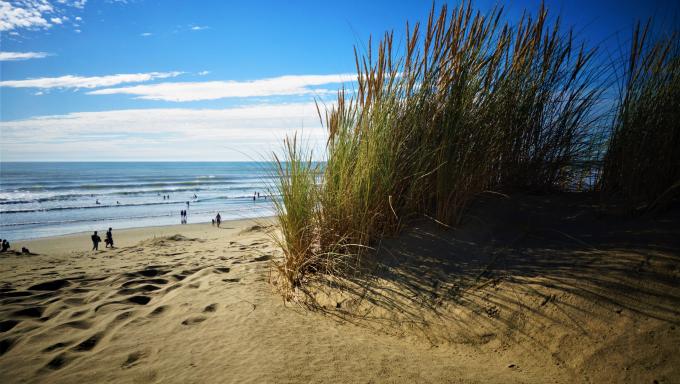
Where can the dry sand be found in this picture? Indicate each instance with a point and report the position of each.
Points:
(528, 290)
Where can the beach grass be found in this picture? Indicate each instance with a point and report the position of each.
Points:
(469, 104)
(642, 165)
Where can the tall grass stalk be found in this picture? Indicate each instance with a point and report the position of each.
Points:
(468, 104)
(642, 165)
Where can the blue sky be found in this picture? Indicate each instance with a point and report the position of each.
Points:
(207, 80)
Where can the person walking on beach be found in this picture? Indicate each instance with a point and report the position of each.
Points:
(95, 241)
(218, 219)
(109, 238)
(5, 245)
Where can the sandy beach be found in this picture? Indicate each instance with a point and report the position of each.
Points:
(489, 303)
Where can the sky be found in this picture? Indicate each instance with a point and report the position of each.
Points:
(192, 80)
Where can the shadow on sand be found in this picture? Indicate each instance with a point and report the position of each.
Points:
(544, 270)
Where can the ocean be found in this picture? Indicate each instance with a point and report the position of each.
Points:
(56, 198)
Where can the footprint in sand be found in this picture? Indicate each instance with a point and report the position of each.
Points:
(6, 345)
(158, 311)
(210, 308)
(194, 320)
(56, 346)
(140, 300)
(133, 359)
(58, 362)
(53, 285)
(32, 312)
(222, 270)
(89, 343)
(79, 313)
(157, 281)
(122, 317)
(7, 325)
(77, 324)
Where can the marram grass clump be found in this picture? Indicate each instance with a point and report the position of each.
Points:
(470, 104)
(642, 166)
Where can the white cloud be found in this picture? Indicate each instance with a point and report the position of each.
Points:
(211, 90)
(77, 30)
(238, 133)
(78, 18)
(203, 73)
(24, 14)
(199, 27)
(70, 81)
(73, 3)
(146, 34)
(36, 14)
(13, 56)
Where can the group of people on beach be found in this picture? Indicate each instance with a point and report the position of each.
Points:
(217, 220)
(109, 234)
(5, 246)
(96, 240)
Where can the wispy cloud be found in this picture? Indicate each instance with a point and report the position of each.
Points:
(146, 34)
(15, 56)
(212, 90)
(70, 81)
(169, 133)
(199, 27)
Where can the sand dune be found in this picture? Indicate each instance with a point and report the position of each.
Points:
(536, 292)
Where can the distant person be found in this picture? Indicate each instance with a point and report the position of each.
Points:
(195, 197)
(97, 202)
(25, 251)
(117, 202)
(254, 195)
(218, 219)
(109, 238)
(258, 195)
(5, 245)
(95, 241)
(213, 222)
(187, 204)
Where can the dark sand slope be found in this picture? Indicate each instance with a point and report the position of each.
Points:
(529, 290)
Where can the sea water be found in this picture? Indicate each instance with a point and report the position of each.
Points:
(56, 198)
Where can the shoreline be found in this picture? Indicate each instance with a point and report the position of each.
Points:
(124, 237)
